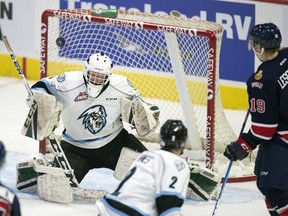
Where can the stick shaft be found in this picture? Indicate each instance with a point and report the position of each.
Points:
(16, 64)
(229, 168)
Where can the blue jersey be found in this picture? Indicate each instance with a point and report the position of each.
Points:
(9, 203)
(268, 98)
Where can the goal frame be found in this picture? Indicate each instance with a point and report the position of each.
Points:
(212, 61)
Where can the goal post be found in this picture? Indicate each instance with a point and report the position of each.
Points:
(173, 61)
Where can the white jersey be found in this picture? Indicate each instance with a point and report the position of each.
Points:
(155, 184)
(89, 122)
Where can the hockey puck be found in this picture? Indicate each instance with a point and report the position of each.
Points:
(60, 42)
(175, 13)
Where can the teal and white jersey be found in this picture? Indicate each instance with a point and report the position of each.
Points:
(156, 184)
(89, 122)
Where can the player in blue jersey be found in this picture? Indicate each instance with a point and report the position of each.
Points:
(268, 101)
(9, 203)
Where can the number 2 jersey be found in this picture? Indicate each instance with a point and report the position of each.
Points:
(89, 122)
(156, 184)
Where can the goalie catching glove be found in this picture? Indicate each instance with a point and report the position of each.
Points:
(142, 115)
(202, 184)
(43, 116)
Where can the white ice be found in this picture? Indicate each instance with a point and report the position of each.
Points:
(238, 199)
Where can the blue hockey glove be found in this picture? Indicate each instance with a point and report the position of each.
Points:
(238, 150)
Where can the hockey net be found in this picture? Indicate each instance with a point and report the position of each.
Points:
(173, 61)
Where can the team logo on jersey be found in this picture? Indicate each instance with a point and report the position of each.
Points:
(61, 77)
(94, 118)
(258, 75)
(257, 85)
(179, 165)
(82, 96)
(283, 79)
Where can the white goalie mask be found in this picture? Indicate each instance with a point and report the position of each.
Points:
(97, 72)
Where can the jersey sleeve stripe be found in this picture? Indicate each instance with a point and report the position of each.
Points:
(263, 131)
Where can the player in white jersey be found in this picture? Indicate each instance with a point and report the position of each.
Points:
(156, 183)
(94, 134)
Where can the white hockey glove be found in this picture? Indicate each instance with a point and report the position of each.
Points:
(43, 117)
(202, 184)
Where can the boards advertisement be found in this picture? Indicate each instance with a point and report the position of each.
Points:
(236, 61)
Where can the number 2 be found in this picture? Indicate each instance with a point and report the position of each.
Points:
(174, 180)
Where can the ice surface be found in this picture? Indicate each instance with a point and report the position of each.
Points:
(238, 199)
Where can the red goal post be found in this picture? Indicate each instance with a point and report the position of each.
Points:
(173, 61)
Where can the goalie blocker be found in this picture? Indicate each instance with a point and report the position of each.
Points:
(43, 116)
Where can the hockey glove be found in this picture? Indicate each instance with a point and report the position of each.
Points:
(238, 150)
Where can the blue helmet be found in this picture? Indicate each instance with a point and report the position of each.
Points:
(173, 134)
(267, 35)
(2, 152)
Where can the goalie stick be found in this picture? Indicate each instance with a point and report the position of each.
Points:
(228, 169)
(30, 127)
(78, 193)
(30, 124)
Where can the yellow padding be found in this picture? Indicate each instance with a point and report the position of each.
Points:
(233, 97)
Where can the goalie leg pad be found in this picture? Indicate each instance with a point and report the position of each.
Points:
(145, 116)
(126, 158)
(202, 184)
(54, 188)
(26, 177)
(28, 171)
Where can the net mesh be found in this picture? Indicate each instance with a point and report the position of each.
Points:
(142, 55)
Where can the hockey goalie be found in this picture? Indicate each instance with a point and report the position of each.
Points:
(93, 105)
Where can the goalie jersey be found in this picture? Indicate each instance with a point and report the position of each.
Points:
(156, 184)
(89, 122)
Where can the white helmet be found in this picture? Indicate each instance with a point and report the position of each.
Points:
(97, 72)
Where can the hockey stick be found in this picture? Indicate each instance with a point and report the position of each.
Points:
(16, 63)
(228, 169)
(79, 193)
(30, 124)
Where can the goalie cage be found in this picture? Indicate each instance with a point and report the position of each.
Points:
(173, 61)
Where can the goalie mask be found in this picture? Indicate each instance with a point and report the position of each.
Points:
(173, 134)
(266, 35)
(97, 72)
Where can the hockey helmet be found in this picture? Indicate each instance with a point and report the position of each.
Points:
(267, 35)
(97, 72)
(173, 134)
(2, 153)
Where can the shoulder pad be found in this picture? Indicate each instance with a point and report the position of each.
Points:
(68, 80)
(123, 84)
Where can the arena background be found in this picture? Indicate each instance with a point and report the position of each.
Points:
(20, 22)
